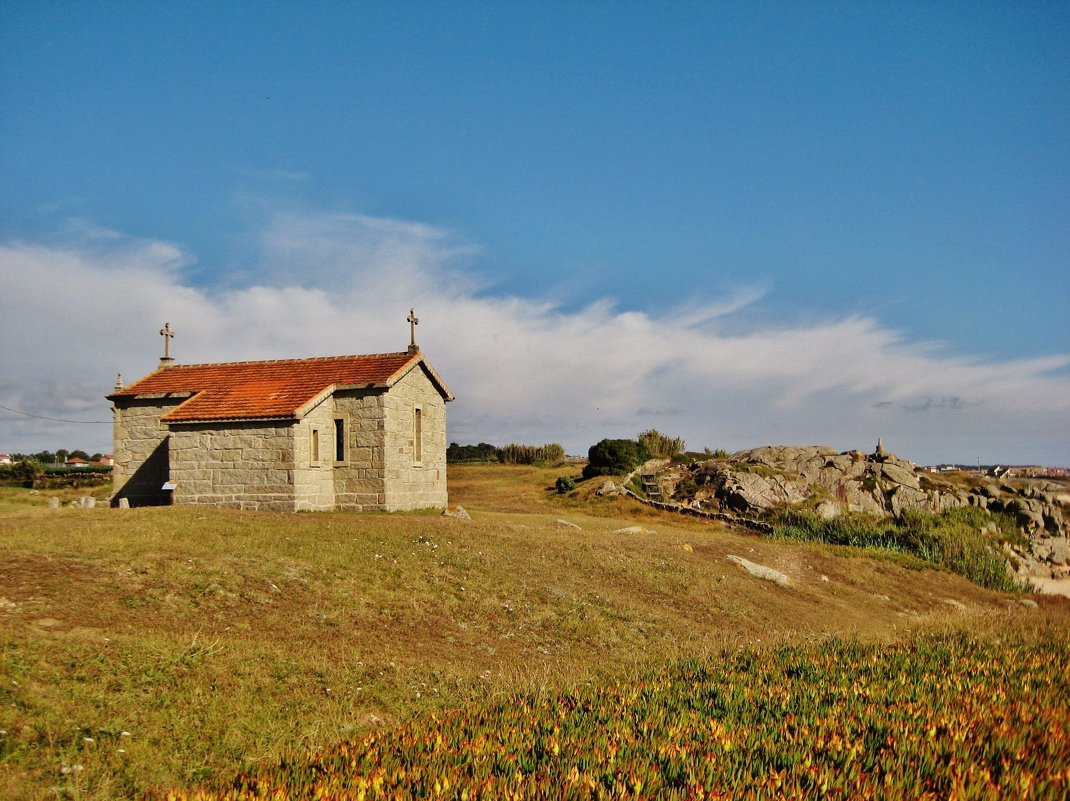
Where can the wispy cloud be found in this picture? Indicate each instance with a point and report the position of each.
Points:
(524, 369)
(953, 403)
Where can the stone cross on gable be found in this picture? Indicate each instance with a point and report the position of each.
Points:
(413, 321)
(167, 334)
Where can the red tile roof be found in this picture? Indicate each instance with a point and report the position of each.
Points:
(269, 389)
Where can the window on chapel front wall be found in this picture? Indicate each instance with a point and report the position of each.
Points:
(339, 440)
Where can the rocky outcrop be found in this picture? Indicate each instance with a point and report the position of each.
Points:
(762, 479)
(756, 481)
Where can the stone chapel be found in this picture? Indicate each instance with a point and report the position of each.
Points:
(332, 432)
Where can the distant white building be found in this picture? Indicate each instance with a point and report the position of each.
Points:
(5, 458)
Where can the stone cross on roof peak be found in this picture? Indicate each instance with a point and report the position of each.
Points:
(413, 321)
(167, 359)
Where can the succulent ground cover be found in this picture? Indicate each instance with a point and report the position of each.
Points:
(939, 717)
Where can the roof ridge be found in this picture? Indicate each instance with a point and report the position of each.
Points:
(293, 359)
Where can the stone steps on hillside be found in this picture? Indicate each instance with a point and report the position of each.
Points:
(650, 486)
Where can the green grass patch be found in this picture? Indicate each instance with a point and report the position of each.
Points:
(955, 539)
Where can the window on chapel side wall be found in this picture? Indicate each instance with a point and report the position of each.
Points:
(417, 435)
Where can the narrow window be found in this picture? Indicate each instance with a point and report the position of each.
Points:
(339, 440)
(418, 435)
(315, 446)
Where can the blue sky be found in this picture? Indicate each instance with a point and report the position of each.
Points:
(766, 222)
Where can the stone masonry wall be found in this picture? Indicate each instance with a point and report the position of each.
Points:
(314, 478)
(359, 477)
(412, 484)
(240, 466)
(140, 443)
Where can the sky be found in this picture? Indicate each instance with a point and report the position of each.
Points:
(739, 223)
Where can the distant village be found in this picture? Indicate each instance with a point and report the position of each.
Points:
(60, 459)
(1002, 471)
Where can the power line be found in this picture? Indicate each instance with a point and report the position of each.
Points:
(55, 419)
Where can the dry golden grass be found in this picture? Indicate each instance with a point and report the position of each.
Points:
(147, 648)
(11, 496)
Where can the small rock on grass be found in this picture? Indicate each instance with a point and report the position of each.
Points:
(566, 524)
(457, 511)
(633, 530)
(760, 571)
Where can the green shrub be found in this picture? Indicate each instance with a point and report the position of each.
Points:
(76, 471)
(565, 484)
(660, 445)
(686, 488)
(22, 471)
(614, 457)
(550, 454)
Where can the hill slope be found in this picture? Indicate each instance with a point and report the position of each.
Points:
(160, 647)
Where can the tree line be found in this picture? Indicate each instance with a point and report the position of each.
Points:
(55, 457)
(607, 457)
(549, 454)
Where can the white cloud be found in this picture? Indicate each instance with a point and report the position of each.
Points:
(523, 369)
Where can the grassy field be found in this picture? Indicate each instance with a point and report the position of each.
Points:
(12, 497)
(154, 648)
